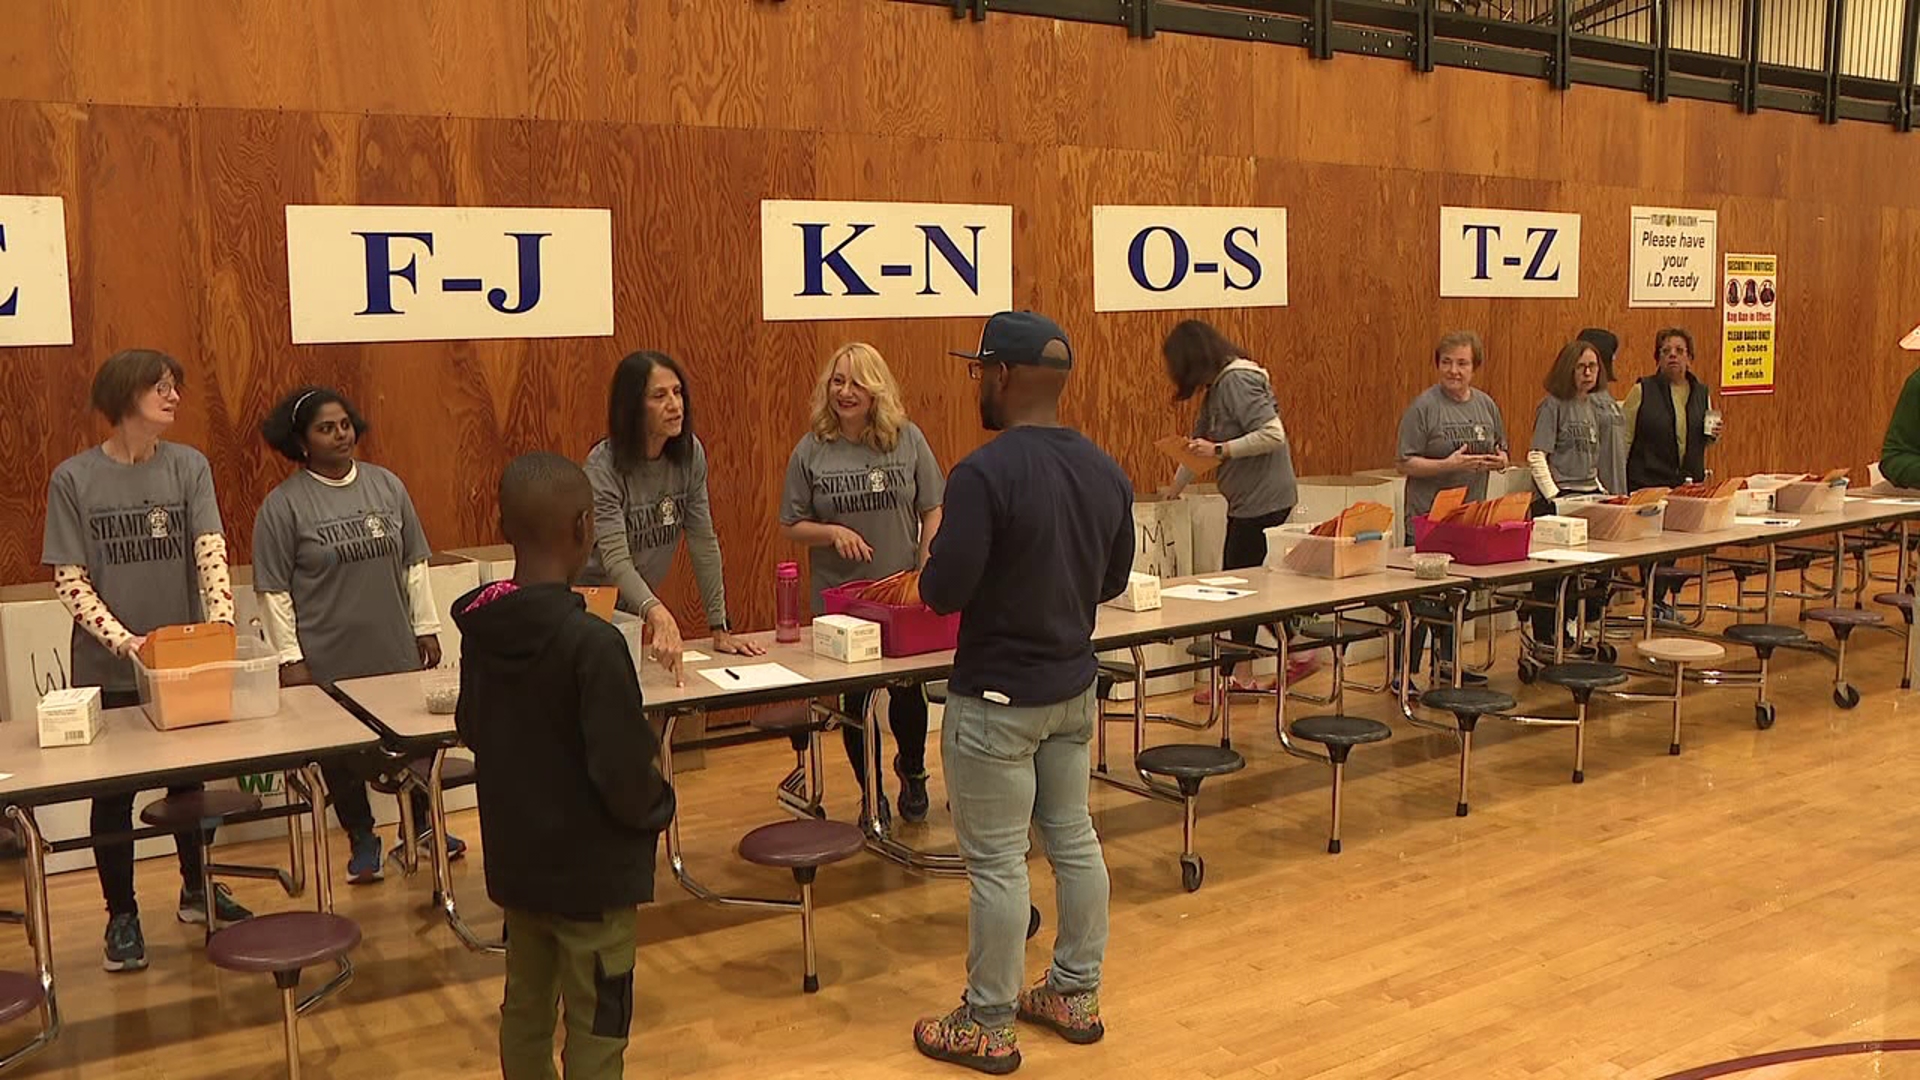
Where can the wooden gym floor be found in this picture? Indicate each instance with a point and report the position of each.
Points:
(1757, 893)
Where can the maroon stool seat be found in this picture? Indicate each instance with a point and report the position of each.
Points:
(801, 791)
(193, 810)
(20, 994)
(283, 944)
(1844, 622)
(803, 847)
(785, 718)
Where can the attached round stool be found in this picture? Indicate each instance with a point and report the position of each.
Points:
(803, 790)
(1844, 621)
(937, 692)
(283, 944)
(190, 816)
(1188, 765)
(803, 847)
(1339, 735)
(20, 994)
(1226, 653)
(1764, 638)
(1467, 704)
(1680, 652)
(1903, 602)
(1582, 679)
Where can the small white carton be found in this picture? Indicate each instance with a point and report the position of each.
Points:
(1556, 531)
(1142, 593)
(845, 638)
(70, 717)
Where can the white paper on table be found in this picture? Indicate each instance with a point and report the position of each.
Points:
(1204, 592)
(1569, 555)
(752, 676)
(1896, 502)
(1776, 522)
(693, 657)
(6, 776)
(1223, 581)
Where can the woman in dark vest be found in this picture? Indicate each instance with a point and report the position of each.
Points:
(1670, 421)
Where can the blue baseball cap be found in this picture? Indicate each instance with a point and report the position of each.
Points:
(1023, 337)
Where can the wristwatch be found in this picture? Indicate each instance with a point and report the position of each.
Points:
(1220, 450)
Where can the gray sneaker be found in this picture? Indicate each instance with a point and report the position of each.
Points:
(226, 910)
(126, 946)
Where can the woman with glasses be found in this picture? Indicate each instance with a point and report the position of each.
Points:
(1670, 420)
(863, 496)
(135, 541)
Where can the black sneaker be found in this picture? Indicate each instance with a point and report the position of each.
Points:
(914, 801)
(226, 910)
(886, 815)
(126, 946)
(1443, 676)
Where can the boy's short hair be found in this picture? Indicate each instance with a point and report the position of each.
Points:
(541, 495)
(126, 375)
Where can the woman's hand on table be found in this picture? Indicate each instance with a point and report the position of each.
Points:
(726, 642)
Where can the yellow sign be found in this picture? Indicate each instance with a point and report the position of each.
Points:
(1748, 292)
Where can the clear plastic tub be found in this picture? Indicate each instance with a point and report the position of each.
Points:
(244, 688)
(1431, 565)
(1686, 514)
(440, 688)
(1811, 497)
(1616, 522)
(1324, 556)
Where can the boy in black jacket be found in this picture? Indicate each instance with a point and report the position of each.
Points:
(571, 806)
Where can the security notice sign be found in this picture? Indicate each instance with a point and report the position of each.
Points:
(1673, 253)
(1748, 291)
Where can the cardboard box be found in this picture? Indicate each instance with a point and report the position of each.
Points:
(600, 599)
(1142, 594)
(1322, 498)
(846, 639)
(70, 717)
(493, 562)
(1558, 532)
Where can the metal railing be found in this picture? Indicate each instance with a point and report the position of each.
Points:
(1835, 59)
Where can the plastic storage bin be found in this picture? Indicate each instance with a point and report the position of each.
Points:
(1474, 545)
(1301, 552)
(244, 688)
(1687, 514)
(1811, 497)
(1615, 522)
(905, 630)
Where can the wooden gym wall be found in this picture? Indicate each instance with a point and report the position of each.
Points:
(178, 129)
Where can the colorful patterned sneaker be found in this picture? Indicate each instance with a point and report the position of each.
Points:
(126, 947)
(226, 910)
(961, 1040)
(1075, 1017)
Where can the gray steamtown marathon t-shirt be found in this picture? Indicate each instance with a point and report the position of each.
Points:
(1434, 426)
(1567, 430)
(341, 554)
(132, 527)
(880, 496)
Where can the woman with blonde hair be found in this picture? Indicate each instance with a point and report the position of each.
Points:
(863, 496)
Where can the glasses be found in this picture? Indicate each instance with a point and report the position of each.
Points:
(166, 388)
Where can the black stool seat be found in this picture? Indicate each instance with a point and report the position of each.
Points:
(1848, 617)
(1767, 635)
(1110, 669)
(937, 692)
(1674, 573)
(1903, 601)
(1344, 731)
(1583, 676)
(1189, 761)
(20, 994)
(1468, 700)
(1320, 629)
(283, 941)
(802, 843)
(1228, 650)
(789, 717)
(189, 809)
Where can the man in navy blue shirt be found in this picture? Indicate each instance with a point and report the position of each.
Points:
(1038, 532)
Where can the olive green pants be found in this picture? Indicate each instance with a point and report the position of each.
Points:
(585, 965)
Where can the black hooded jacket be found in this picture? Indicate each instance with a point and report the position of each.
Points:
(571, 803)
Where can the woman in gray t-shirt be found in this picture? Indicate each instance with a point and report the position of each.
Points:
(863, 496)
(650, 489)
(340, 567)
(1566, 454)
(135, 542)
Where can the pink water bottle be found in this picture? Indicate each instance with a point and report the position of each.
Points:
(786, 602)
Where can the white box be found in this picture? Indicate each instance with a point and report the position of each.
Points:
(70, 717)
(845, 638)
(1142, 594)
(1555, 531)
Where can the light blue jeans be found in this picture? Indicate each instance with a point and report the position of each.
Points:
(1007, 768)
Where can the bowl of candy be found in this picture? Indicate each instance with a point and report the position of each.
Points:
(1431, 565)
(441, 688)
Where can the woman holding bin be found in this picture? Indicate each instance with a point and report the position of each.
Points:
(340, 567)
(863, 495)
(1238, 425)
(135, 541)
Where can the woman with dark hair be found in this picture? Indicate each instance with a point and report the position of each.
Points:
(649, 488)
(1239, 426)
(1670, 420)
(340, 567)
(1608, 414)
(135, 541)
(1566, 454)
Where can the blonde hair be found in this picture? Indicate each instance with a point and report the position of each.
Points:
(885, 417)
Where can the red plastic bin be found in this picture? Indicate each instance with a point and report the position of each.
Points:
(905, 630)
(1474, 545)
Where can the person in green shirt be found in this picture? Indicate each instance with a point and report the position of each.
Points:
(1900, 450)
